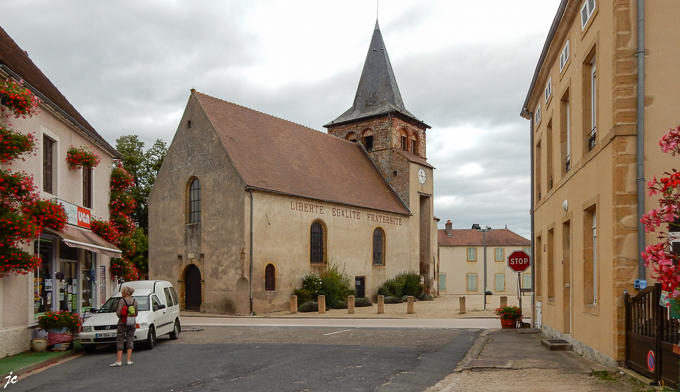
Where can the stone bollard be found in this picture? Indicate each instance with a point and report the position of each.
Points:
(322, 303)
(410, 308)
(381, 304)
(350, 304)
(461, 301)
(293, 304)
(504, 301)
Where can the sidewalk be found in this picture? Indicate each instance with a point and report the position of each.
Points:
(30, 361)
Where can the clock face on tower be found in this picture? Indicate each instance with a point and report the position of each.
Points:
(422, 177)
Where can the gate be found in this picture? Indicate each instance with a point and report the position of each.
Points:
(651, 333)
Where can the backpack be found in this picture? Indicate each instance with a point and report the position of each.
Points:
(129, 313)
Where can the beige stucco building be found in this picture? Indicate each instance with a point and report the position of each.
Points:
(461, 264)
(597, 111)
(74, 272)
(246, 204)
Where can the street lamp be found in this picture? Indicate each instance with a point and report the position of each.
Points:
(488, 228)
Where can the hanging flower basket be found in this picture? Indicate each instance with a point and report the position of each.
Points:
(47, 213)
(13, 144)
(17, 100)
(81, 157)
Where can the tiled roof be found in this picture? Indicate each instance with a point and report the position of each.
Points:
(414, 158)
(378, 92)
(280, 156)
(18, 62)
(469, 237)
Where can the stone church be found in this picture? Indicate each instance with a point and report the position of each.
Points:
(246, 204)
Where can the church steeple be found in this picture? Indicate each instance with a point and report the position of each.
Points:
(378, 92)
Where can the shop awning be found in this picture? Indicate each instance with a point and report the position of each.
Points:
(84, 239)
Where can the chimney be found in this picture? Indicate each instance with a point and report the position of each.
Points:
(449, 228)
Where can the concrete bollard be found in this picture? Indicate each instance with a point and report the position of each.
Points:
(461, 301)
(350, 304)
(322, 303)
(410, 307)
(381, 304)
(504, 301)
(293, 304)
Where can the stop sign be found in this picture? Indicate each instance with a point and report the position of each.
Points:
(518, 261)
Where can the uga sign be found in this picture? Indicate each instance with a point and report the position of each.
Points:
(518, 261)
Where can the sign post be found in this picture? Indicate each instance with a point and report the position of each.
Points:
(519, 261)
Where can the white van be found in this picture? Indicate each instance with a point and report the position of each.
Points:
(158, 315)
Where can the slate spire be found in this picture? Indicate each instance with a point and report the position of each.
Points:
(378, 92)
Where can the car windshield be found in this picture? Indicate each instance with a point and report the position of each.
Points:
(112, 304)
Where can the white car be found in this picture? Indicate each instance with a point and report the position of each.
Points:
(158, 315)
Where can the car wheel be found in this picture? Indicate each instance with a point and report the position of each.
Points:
(175, 331)
(90, 349)
(151, 338)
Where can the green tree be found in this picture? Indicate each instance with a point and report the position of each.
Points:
(143, 166)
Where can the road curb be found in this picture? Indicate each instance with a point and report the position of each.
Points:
(474, 351)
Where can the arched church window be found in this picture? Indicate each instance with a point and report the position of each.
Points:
(317, 243)
(368, 139)
(352, 137)
(403, 139)
(414, 144)
(195, 201)
(270, 277)
(378, 247)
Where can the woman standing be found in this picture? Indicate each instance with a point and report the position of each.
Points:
(125, 333)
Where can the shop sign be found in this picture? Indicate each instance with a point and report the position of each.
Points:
(77, 215)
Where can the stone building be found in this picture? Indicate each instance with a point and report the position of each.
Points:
(461, 263)
(246, 204)
(604, 91)
(74, 274)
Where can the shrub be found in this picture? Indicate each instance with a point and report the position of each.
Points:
(309, 306)
(404, 284)
(393, 300)
(362, 302)
(332, 283)
(426, 297)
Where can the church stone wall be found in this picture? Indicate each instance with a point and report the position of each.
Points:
(281, 228)
(215, 245)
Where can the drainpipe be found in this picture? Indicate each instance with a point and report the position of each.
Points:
(251, 251)
(642, 273)
(531, 215)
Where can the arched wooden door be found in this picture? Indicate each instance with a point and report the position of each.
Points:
(192, 289)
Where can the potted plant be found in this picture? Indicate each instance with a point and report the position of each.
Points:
(81, 157)
(60, 326)
(509, 315)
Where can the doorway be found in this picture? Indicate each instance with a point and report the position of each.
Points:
(360, 286)
(566, 276)
(192, 292)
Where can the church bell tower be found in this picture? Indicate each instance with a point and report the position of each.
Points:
(393, 137)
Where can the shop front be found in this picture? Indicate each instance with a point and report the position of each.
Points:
(72, 275)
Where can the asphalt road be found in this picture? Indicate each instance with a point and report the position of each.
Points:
(270, 359)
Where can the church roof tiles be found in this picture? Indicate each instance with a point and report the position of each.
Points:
(280, 156)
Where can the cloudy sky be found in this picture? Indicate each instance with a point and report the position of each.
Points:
(462, 67)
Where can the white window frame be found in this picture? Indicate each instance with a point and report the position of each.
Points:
(537, 115)
(593, 102)
(568, 107)
(564, 56)
(472, 254)
(586, 12)
(548, 90)
(526, 280)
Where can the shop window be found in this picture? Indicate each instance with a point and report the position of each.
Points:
(270, 277)
(195, 201)
(378, 247)
(317, 243)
